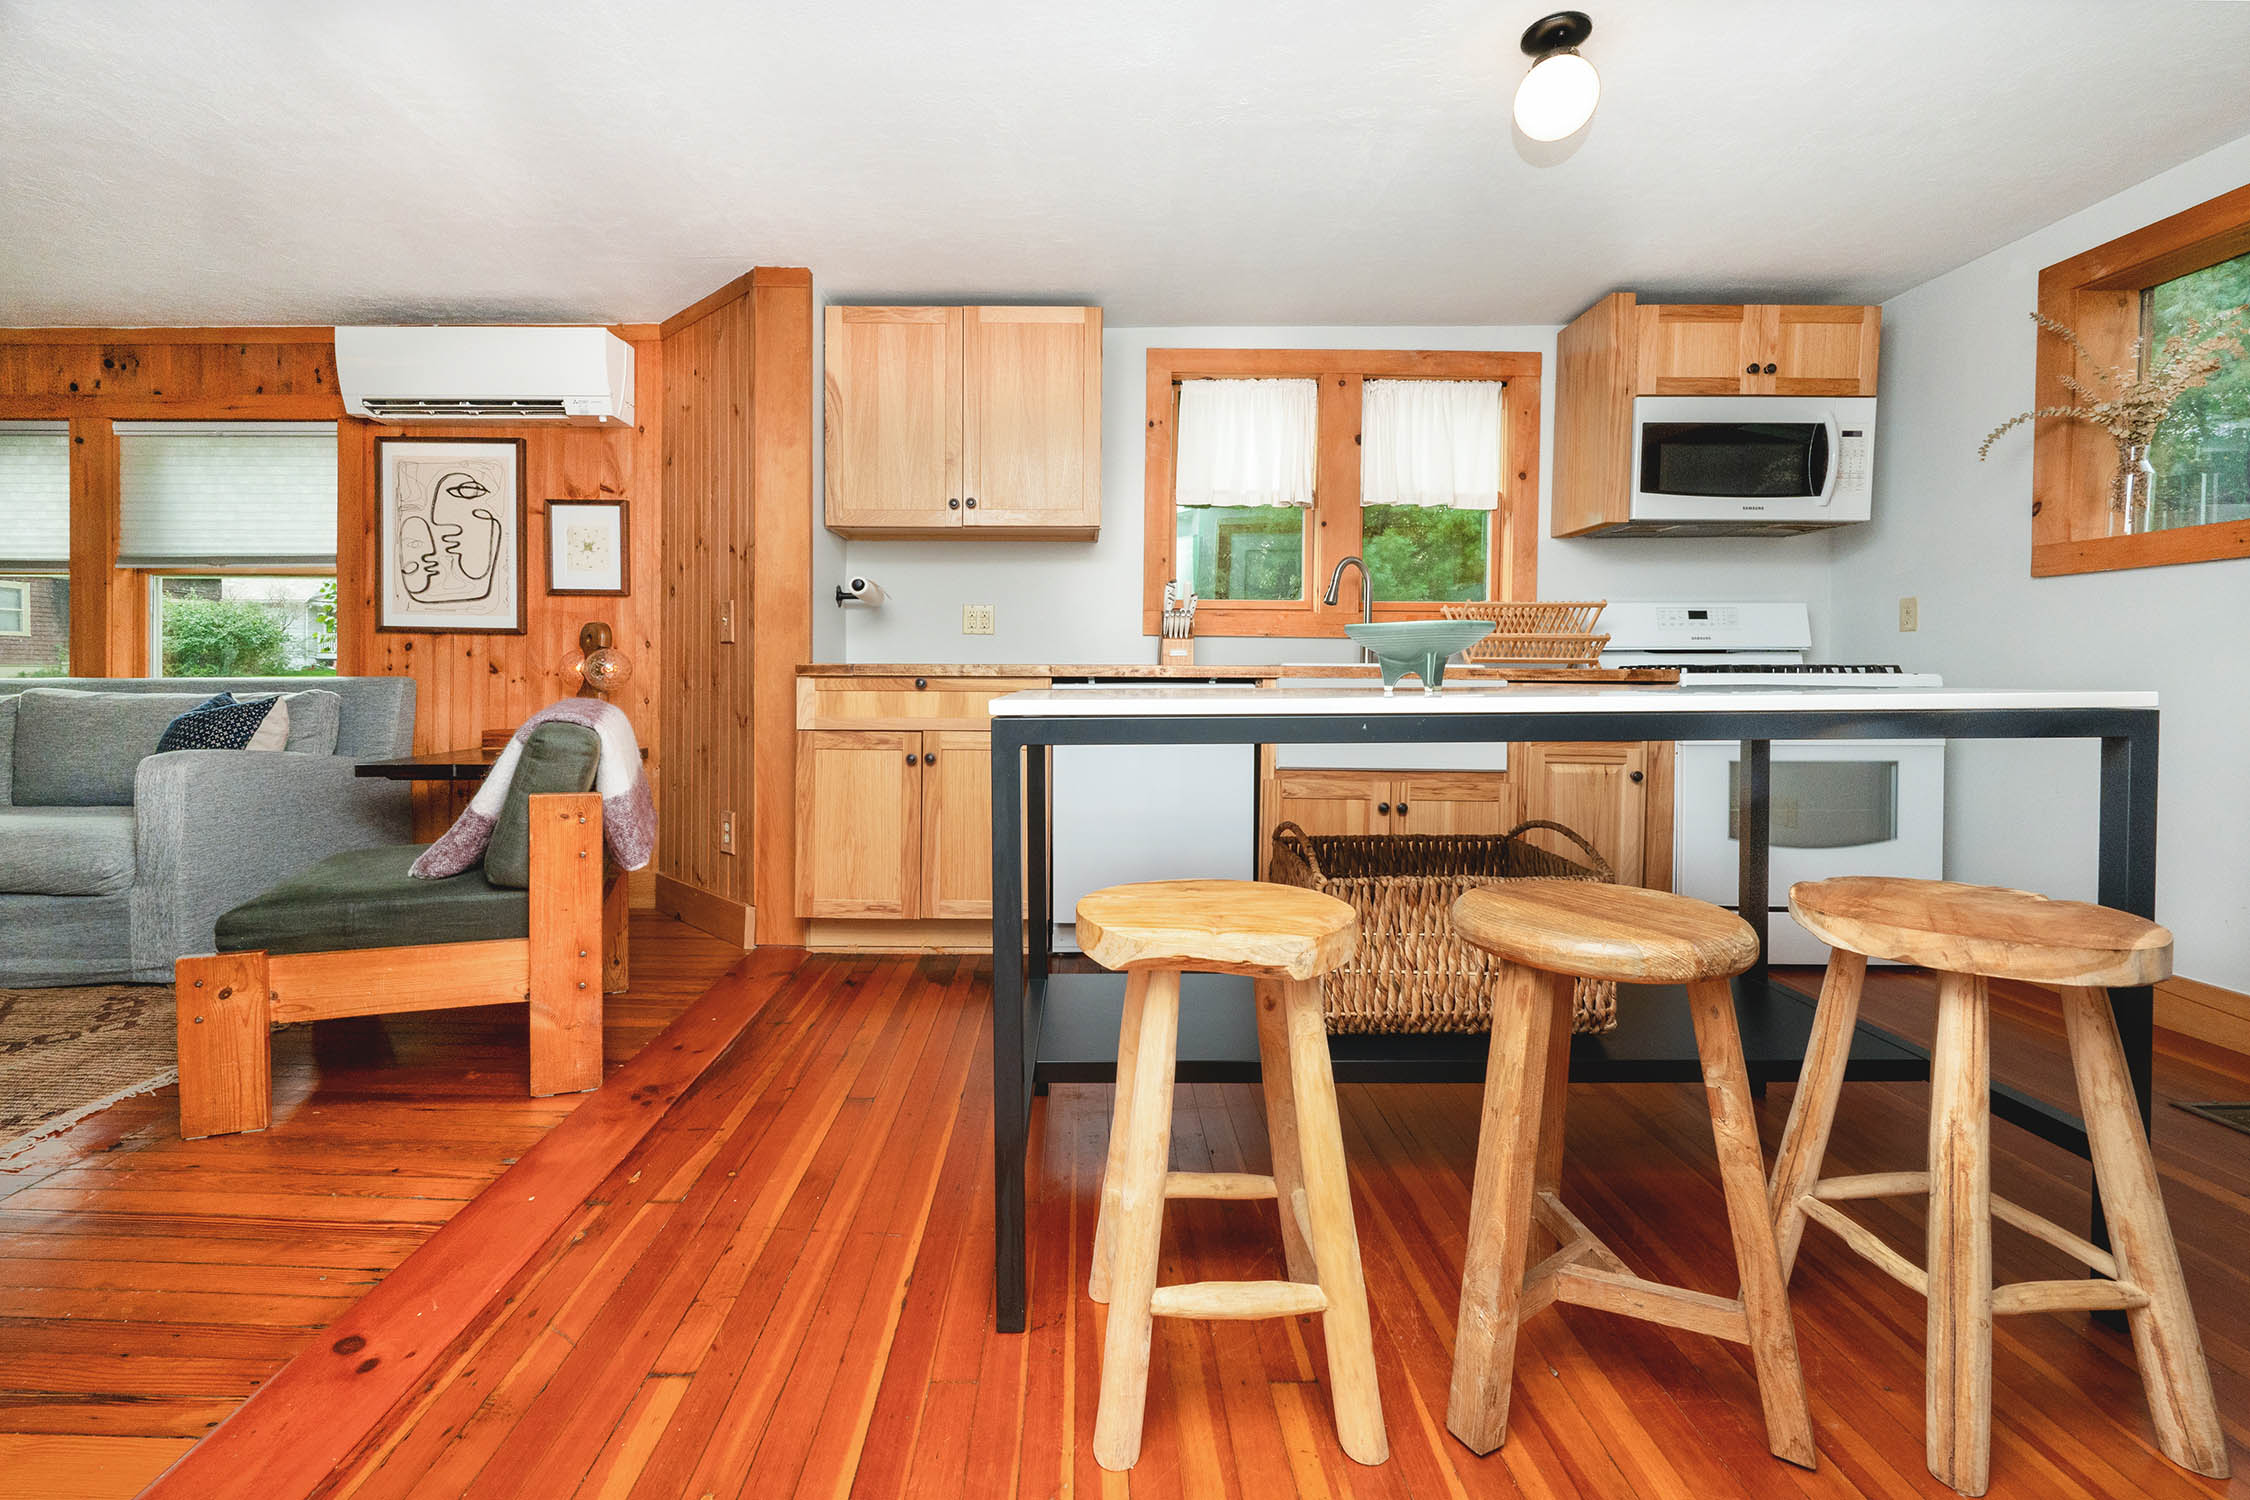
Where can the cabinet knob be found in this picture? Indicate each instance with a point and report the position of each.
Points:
(929, 757)
(1769, 371)
(1402, 809)
(972, 502)
(912, 757)
(952, 505)
(1750, 369)
(1383, 808)
(921, 682)
(1632, 775)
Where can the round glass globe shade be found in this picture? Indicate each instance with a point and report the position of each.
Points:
(1557, 97)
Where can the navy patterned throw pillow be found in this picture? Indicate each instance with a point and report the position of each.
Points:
(218, 723)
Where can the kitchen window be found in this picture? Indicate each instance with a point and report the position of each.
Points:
(2146, 285)
(1266, 467)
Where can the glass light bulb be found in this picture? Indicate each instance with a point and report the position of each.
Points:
(1557, 97)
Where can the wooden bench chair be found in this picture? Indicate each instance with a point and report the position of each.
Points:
(542, 921)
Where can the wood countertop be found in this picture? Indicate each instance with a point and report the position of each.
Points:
(1112, 671)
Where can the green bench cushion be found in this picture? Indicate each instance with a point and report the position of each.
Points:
(556, 757)
(363, 898)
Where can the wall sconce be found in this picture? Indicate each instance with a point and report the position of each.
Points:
(600, 668)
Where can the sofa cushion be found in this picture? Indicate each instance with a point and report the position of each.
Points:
(363, 898)
(556, 758)
(79, 749)
(65, 851)
(315, 717)
(227, 723)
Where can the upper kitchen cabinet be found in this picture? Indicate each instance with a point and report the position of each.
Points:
(1757, 349)
(946, 421)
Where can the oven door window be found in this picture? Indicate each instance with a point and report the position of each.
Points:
(1735, 460)
(1824, 804)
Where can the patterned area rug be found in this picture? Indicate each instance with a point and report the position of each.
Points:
(67, 1053)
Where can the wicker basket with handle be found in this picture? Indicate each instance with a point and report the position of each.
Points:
(1412, 973)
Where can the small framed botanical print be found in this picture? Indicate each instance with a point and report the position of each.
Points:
(586, 547)
(450, 534)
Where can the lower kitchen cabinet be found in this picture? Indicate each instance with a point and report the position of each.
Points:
(894, 823)
(1600, 790)
(1327, 802)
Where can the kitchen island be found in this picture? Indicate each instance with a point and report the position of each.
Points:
(1051, 1028)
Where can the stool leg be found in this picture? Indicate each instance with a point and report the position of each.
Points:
(1796, 1166)
(1742, 1171)
(1526, 1010)
(1555, 1091)
(2164, 1334)
(1139, 1227)
(1335, 1241)
(1281, 1130)
(1957, 1355)
(1120, 1131)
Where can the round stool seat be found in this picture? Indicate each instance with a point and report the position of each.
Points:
(1218, 927)
(1598, 931)
(1984, 929)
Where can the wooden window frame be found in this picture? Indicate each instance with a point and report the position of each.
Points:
(1333, 524)
(2098, 294)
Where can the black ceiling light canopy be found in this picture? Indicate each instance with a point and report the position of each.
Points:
(1557, 97)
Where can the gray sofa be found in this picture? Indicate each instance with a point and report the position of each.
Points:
(98, 890)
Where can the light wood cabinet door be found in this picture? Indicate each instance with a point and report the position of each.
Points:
(1031, 418)
(1453, 802)
(1820, 351)
(956, 824)
(859, 823)
(1599, 790)
(1693, 349)
(893, 418)
(1322, 802)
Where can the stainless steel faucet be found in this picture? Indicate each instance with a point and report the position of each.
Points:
(1366, 594)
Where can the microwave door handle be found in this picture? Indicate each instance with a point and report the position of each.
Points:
(1835, 458)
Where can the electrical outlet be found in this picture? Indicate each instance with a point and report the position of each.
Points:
(1909, 613)
(726, 623)
(726, 833)
(978, 619)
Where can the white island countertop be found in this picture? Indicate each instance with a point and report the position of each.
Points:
(1183, 700)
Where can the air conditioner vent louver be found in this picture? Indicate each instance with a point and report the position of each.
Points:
(401, 409)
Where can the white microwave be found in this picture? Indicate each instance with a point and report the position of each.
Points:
(1750, 465)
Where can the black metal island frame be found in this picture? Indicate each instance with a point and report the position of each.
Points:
(1050, 1028)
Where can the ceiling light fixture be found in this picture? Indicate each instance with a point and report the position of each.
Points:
(1557, 97)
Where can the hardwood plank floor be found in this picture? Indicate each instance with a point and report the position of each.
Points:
(149, 1285)
(784, 1288)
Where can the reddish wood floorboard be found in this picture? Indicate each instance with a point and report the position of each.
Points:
(784, 1288)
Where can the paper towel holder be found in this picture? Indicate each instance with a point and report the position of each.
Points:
(859, 590)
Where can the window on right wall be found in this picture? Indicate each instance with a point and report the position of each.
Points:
(2145, 286)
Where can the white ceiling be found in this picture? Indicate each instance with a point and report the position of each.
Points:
(1177, 161)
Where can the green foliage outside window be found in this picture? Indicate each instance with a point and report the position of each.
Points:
(1417, 552)
(2202, 452)
(1248, 552)
(223, 638)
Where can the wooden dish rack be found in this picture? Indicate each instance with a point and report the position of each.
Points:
(1554, 631)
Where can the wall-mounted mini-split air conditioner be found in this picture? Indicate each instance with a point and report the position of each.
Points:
(489, 374)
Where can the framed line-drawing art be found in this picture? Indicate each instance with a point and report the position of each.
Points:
(449, 534)
(587, 547)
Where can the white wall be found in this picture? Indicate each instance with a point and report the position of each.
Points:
(1956, 533)
(1077, 602)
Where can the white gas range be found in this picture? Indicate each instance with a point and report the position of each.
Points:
(1857, 807)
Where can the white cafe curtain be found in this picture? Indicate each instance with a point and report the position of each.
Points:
(1430, 442)
(1247, 442)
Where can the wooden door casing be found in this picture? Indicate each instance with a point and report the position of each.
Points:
(893, 417)
(859, 823)
(1031, 417)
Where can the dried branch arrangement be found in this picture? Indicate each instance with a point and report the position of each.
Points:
(2130, 403)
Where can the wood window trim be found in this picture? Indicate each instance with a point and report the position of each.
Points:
(1512, 562)
(2098, 293)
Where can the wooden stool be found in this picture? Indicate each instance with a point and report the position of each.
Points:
(1284, 937)
(1969, 933)
(1547, 934)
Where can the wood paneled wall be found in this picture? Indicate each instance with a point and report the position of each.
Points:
(737, 501)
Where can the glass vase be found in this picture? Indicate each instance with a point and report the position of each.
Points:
(2131, 490)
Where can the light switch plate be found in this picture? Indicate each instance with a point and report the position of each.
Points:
(1909, 613)
(978, 619)
(726, 623)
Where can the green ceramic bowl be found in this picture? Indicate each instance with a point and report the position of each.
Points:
(1417, 646)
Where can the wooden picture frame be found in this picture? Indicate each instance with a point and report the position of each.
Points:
(576, 557)
(449, 540)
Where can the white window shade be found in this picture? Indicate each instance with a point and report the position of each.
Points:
(34, 494)
(1431, 442)
(221, 493)
(1247, 442)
